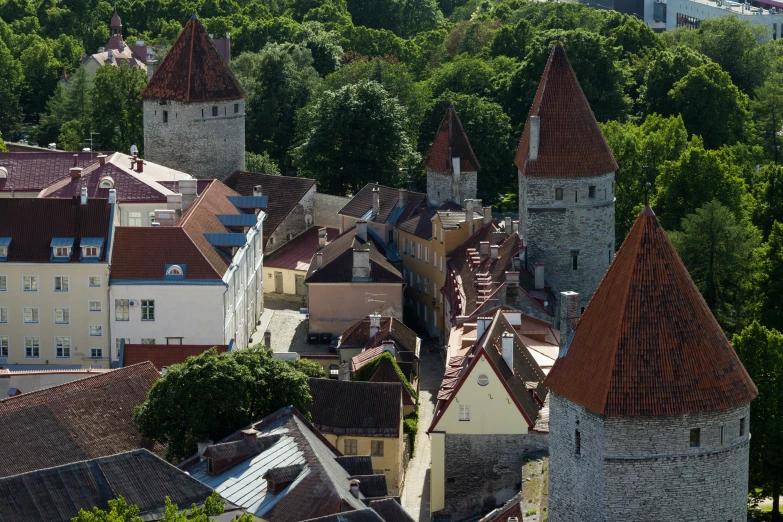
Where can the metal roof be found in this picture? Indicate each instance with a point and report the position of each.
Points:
(237, 220)
(225, 239)
(61, 242)
(5, 241)
(91, 241)
(249, 201)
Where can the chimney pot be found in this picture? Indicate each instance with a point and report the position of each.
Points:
(487, 215)
(361, 230)
(84, 195)
(516, 226)
(321, 237)
(507, 346)
(139, 165)
(495, 251)
(75, 160)
(75, 172)
(569, 317)
(257, 191)
(535, 137)
(376, 201)
(102, 159)
(507, 226)
(539, 276)
(355, 487)
(403, 197)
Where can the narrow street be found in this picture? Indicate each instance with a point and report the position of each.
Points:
(416, 492)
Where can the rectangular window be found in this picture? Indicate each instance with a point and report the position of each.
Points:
(721, 434)
(3, 315)
(575, 261)
(577, 443)
(412, 276)
(32, 347)
(147, 310)
(62, 252)
(418, 282)
(134, 219)
(405, 273)
(426, 286)
(464, 412)
(435, 259)
(62, 316)
(426, 314)
(148, 341)
(376, 448)
(576, 196)
(61, 283)
(3, 346)
(419, 247)
(30, 283)
(3, 283)
(405, 245)
(558, 194)
(95, 281)
(96, 330)
(62, 347)
(441, 235)
(350, 447)
(695, 437)
(96, 353)
(742, 426)
(95, 306)
(214, 110)
(591, 191)
(413, 248)
(441, 264)
(174, 340)
(236, 108)
(434, 319)
(165, 116)
(121, 309)
(31, 315)
(426, 254)
(90, 251)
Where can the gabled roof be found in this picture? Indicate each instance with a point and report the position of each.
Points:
(359, 515)
(193, 70)
(368, 409)
(390, 510)
(360, 205)
(165, 355)
(451, 141)
(420, 224)
(34, 171)
(386, 373)
(297, 253)
(80, 420)
(32, 223)
(58, 493)
(571, 143)
(358, 334)
(338, 261)
(647, 343)
(284, 192)
(130, 187)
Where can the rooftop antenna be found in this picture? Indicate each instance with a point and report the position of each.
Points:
(647, 193)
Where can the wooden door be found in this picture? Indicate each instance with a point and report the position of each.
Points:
(279, 282)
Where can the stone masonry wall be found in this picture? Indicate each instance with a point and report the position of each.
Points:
(193, 140)
(440, 187)
(325, 208)
(483, 471)
(298, 220)
(555, 229)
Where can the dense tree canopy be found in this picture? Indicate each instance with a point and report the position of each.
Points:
(120, 511)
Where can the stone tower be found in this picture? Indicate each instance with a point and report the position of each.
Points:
(194, 109)
(452, 168)
(566, 184)
(649, 403)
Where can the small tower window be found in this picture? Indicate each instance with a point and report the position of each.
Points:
(165, 116)
(742, 426)
(612, 187)
(558, 194)
(721, 434)
(236, 108)
(576, 196)
(574, 259)
(214, 110)
(577, 443)
(591, 191)
(695, 437)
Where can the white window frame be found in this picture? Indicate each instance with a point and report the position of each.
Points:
(134, 219)
(426, 254)
(32, 346)
(441, 264)
(63, 279)
(92, 353)
(61, 344)
(90, 251)
(3, 283)
(33, 283)
(147, 308)
(125, 307)
(100, 330)
(5, 344)
(36, 313)
(67, 316)
(89, 281)
(419, 250)
(464, 412)
(62, 251)
(4, 314)
(90, 303)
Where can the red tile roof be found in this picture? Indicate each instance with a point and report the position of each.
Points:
(165, 354)
(297, 253)
(451, 141)
(389, 198)
(31, 223)
(193, 71)
(571, 143)
(34, 171)
(130, 189)
(80, 420)
(647, 343)
(391, 328)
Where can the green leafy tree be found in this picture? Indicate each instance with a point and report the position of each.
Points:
(771, 281)
(767, 207)
(720, 252)
(308, 367)
(71, 136)
(416, 16)
(11, 81)
(767, 108)
(465, 75)
(666, 67)
(117, 114)
(711, 106)
(513, 40)
(210, 396)
(2, 144)
(120, 511)
(631, 33)
(41, 71)
(324, 46)
(356, 131)
(261, 164)
(761, 352)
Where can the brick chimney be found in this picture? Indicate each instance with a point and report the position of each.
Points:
(484, 249)
(110, 58)
(319, 260)
(139, 165)
(507, 346)
(512, 279)
(569, 317)
(535, 137)
(403, 198)
(375, 324)
(515, 226)
(494, 251)
(361, 263)
(507, 226)
(250, 436)
(189, 190)
(102, 159)
(487, 215)
(469, 211)
(174, 201)
(321, 237)
(75, 160)
(376, 201)
(75, 172)
(361, 230)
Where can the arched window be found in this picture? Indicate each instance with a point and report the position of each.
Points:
(174, 270)
(106, 182)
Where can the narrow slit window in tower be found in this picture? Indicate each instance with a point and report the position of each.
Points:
(214, 110)
(559, 194)
(742, 426)
(591, 191)
(165, 116)
(695, 437)
(577, 443)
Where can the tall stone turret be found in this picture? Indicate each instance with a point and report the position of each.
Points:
(452, 168)
(566, 184)
(649, 411)
(194, 109)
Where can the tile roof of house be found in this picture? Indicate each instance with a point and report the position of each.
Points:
(390, 510)
(356, 464)
(164, 355)
(571, 143)
(76, 421)
(420, 224)
(369, 409)
(511, 509)
(386, 373)
(647, 343)
(285, 192)
(32, 223)
(452, 217)
(297, 253)
(338, 261)
(391, 328)
(322, 488)
(58, 493)
(371, 485)
(34, 171)
(358, 515)
(451, 141)
(125, 54)
(193, 70)
(389, 210)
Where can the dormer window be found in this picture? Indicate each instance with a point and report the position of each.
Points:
(4, 244)
(90, 251)
(174, 272)
(91, 248)
(106, 183)
(62, 252)
(3, 173)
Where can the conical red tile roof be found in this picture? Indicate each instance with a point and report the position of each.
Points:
(571, 143)
(193, 71)
(647, 343)
(451, 141)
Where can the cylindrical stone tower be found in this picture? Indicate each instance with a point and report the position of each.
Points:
(194, 109)
(566, 184)
(649, 412)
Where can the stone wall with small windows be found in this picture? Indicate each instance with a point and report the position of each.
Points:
(580, 225)
(440, 187)
(189, 138)
(647, 468)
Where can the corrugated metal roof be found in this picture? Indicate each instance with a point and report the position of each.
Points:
(249, 201)
(225, 239)
(91, 241)
(5, 241)
(61, 242)
(237, 220)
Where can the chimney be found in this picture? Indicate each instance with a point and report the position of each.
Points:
(535, 137)
(165, 217)
(354, 484)
(539, 276)
(512, 279)
(487, 215)
(188, 188)
(569, 317)
(75, 160)
(257, 191)
(469, 214)
(513, 317)
(202, 447)
(482, 323)
(515, 226)
(102, 159)
(112, 196)
(507, 226)
(228, 47)
(494, 251)
(376, 201)
(375, 324)
(507, 347)
(174, 201)
(250, 436)
(101, 49)
(388, 346)
(319, 260)
(139, 165)
(321, 237)
(361, 230)
(75, 172)
(484, 249)
(361, 263)
(110, 58)
(403, 198)
(84, 195)
(268, 339)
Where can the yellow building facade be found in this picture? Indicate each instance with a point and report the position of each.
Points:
(386, 453)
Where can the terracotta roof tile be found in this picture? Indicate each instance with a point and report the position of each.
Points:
(451, 141)
(80, 420)
(297, 253)
(163, 355)
(389, 198)
(193, 71)
(647, 343)
(338, 262)
(34, 171)
(571, 143)
(370, 409)
(358, 334)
